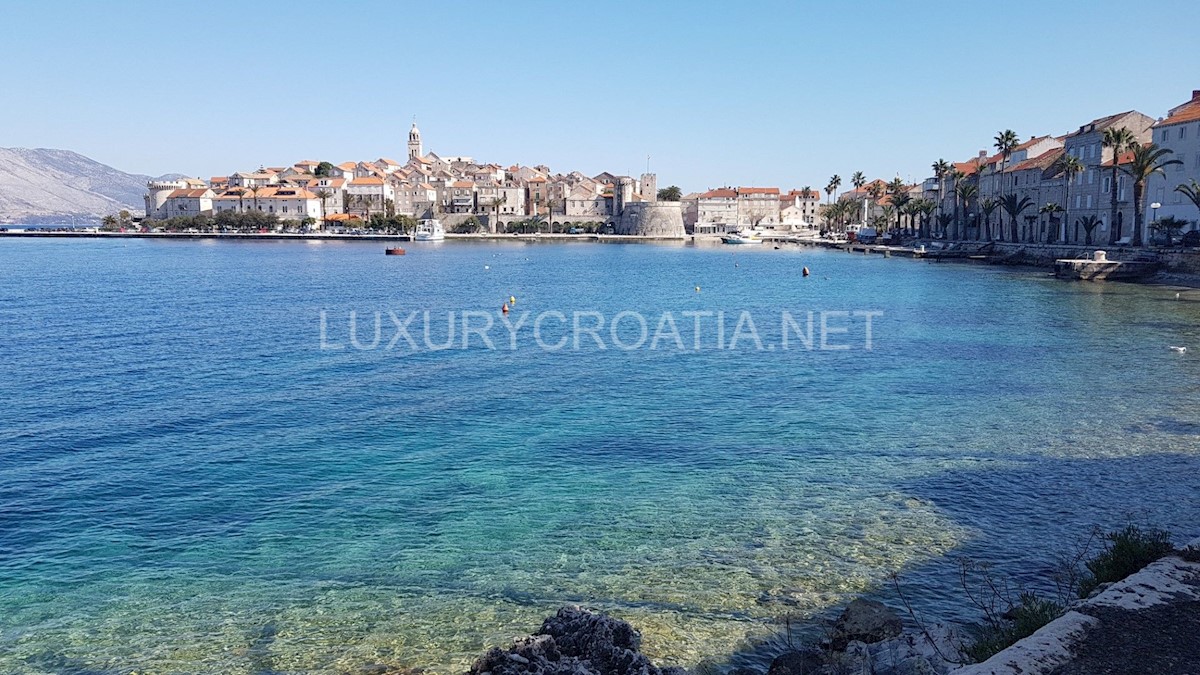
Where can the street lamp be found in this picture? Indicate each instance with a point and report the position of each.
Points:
(1154, 211)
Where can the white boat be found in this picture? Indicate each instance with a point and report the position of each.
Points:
(750, 237)
(429, 229)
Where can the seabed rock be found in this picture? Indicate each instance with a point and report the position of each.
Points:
(806, 662)
(574, 642)
(865, 621)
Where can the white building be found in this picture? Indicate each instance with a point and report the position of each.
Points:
(717, 211)
(1179, 132)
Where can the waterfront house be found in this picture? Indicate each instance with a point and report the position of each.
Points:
(1090, 192)
(758, 207)
(1179, 132)
(717, 211)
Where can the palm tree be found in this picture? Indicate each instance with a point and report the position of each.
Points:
(1169, 227)
(1089, 223)
(986, 208)
(835, 182)
(109, 222)
(1119, 140)
(1006, 142)
(875, 191)
(940, 169)
(1071, 167)
(924, 208)
(1052, 209)
(1190, 190)
(806, 192)
(963, 193)
(858, 180)
(1014, 207)
(1147, 161)
(323, 195)
(944, 220)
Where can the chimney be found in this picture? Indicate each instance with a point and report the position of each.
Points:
(983, 154)
(1196, 94)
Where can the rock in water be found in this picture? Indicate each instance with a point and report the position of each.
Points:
(574, 642)
(796, 663)
(866, 621)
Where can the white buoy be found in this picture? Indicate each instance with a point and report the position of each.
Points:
(1179, 350)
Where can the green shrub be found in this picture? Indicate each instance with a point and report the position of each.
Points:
(1022, 620)
(1126, 552)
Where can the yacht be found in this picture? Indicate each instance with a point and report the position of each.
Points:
(742, 237)
(429, 229)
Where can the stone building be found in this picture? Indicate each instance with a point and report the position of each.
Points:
(1179, 132)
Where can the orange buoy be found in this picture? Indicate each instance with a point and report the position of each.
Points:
(394, 251)
(805, 272)
(504, 308)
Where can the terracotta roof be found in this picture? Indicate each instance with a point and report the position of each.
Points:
(536, 179)
(1188, 112)
(720, 193)
(330, 182)
(219, 179)
(1041, 162)
(193, 194)
(367, 180)
(757, 191)
(462, 184)
(389, 162)
(1125, 158)
(347, 166)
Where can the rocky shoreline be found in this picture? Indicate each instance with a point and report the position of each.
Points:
(867, 637)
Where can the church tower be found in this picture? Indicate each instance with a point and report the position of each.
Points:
(414, 141)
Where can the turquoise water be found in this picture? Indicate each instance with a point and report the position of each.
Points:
(190, 482)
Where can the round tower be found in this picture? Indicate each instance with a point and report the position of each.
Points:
(156, 196)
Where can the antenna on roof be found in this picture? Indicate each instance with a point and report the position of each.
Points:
(647, 163)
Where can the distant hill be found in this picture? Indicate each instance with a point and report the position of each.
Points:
(41, 185)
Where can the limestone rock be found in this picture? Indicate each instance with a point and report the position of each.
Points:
(805, 662)
(574, 642)
(866, 621)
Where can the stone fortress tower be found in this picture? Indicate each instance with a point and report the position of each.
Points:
(414, 141)
(157, 193)
(646, 218)
(648, 186)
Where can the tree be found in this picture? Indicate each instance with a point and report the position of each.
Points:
(944, 220)
(986, 208)
(1053, 210)
(1089, 223)
(1169, 227)
(1147, 160)
(124, 218)
(1071, 167)
(323, 195)
(670, 194)
(1006, 142)
(1014, 208)
(1190, 190)
(963, 194)
(324, 169)
(1119, 140)
(834, 183)
(941, 169)
(858, 180)
(109, 222)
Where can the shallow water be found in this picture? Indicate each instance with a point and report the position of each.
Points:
(189, 482)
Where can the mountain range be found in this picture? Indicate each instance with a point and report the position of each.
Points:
(42, 185)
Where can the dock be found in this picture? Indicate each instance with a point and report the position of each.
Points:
(1100, 268)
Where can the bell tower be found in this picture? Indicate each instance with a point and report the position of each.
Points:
(414, 141)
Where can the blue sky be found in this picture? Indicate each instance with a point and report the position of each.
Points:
(740, 93)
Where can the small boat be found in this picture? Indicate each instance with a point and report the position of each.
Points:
(742, 238)
(429, 229)
(396, 250)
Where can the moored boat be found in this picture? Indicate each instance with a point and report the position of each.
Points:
(740, 237)
(429, 229)
(395, 250)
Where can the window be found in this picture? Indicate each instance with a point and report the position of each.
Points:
(1165, 134)
(1091, 174)
(1078, 201)
(1107, 184)
(1182, 162)
(1183, 132)
(1089, 201)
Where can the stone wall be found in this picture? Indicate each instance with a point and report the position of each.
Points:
(651, 219)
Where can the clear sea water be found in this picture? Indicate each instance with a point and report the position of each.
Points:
(190, 483)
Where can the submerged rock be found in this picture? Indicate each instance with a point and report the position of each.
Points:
(806, 662)
(865, 621)
(574, 642)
